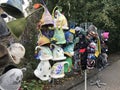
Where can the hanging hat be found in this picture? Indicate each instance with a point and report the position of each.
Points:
(68, 67)
(43, 70)
(46, 19)
(69, 37)
(44, 53)
(59, 36)
(4, 56)
(4, 31)
(57, 70)
(42, 39)
(90, 64)
(92, 28)
(105, 35)
(69, 50)
(58, 53)
(13, 7)
(17, 52)
(11, 80)
(60, 20)
(17, 27)
(93, 45)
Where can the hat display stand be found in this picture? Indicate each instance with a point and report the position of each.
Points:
(96, 53)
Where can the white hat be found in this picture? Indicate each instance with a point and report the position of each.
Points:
(11, 80)
(58, 53)
(44, 53)
(43, 70)
(60, 21)
(17, 51)
(57, 70)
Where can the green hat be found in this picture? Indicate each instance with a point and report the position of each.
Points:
(68, 67)
(17, 26)
(59, 36)
(69, 50)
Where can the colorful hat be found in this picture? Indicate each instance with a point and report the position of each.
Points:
(69, 50)
(68, 67)
(60, 20)
(11, 80)
(4, 56)
(93, 45)
(105, 35)
(17, 27)
(69, 37)
(17, 52)
(44, 53)
(43, 70)
(13, 7)
(42, 39)
(46, 19)
(57, 70)
(59, 36)
(4, 31)
(58, 53)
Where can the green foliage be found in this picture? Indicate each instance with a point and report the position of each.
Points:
(105, 14)
(32, 85)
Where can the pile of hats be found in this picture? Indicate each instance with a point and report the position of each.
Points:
(55, 40)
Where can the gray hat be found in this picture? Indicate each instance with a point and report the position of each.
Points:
(11, 80)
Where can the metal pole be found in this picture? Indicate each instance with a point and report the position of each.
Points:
(85, 80)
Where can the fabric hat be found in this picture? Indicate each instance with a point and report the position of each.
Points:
(57, 70)
(72, 31)
(90, 64)
(46, 19)
(17, 27)
(13, 7)
(42, 39)
(43, 70)
(44, 53)
(17, 52)
(93, 45)
(11, 80)
(59, 36)
(60, 20)
(4, 56)
(69, 37)
(105, 35)
(4, 31)
(58, 53)
(69, 50)
(92, 28)
(68, 67)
